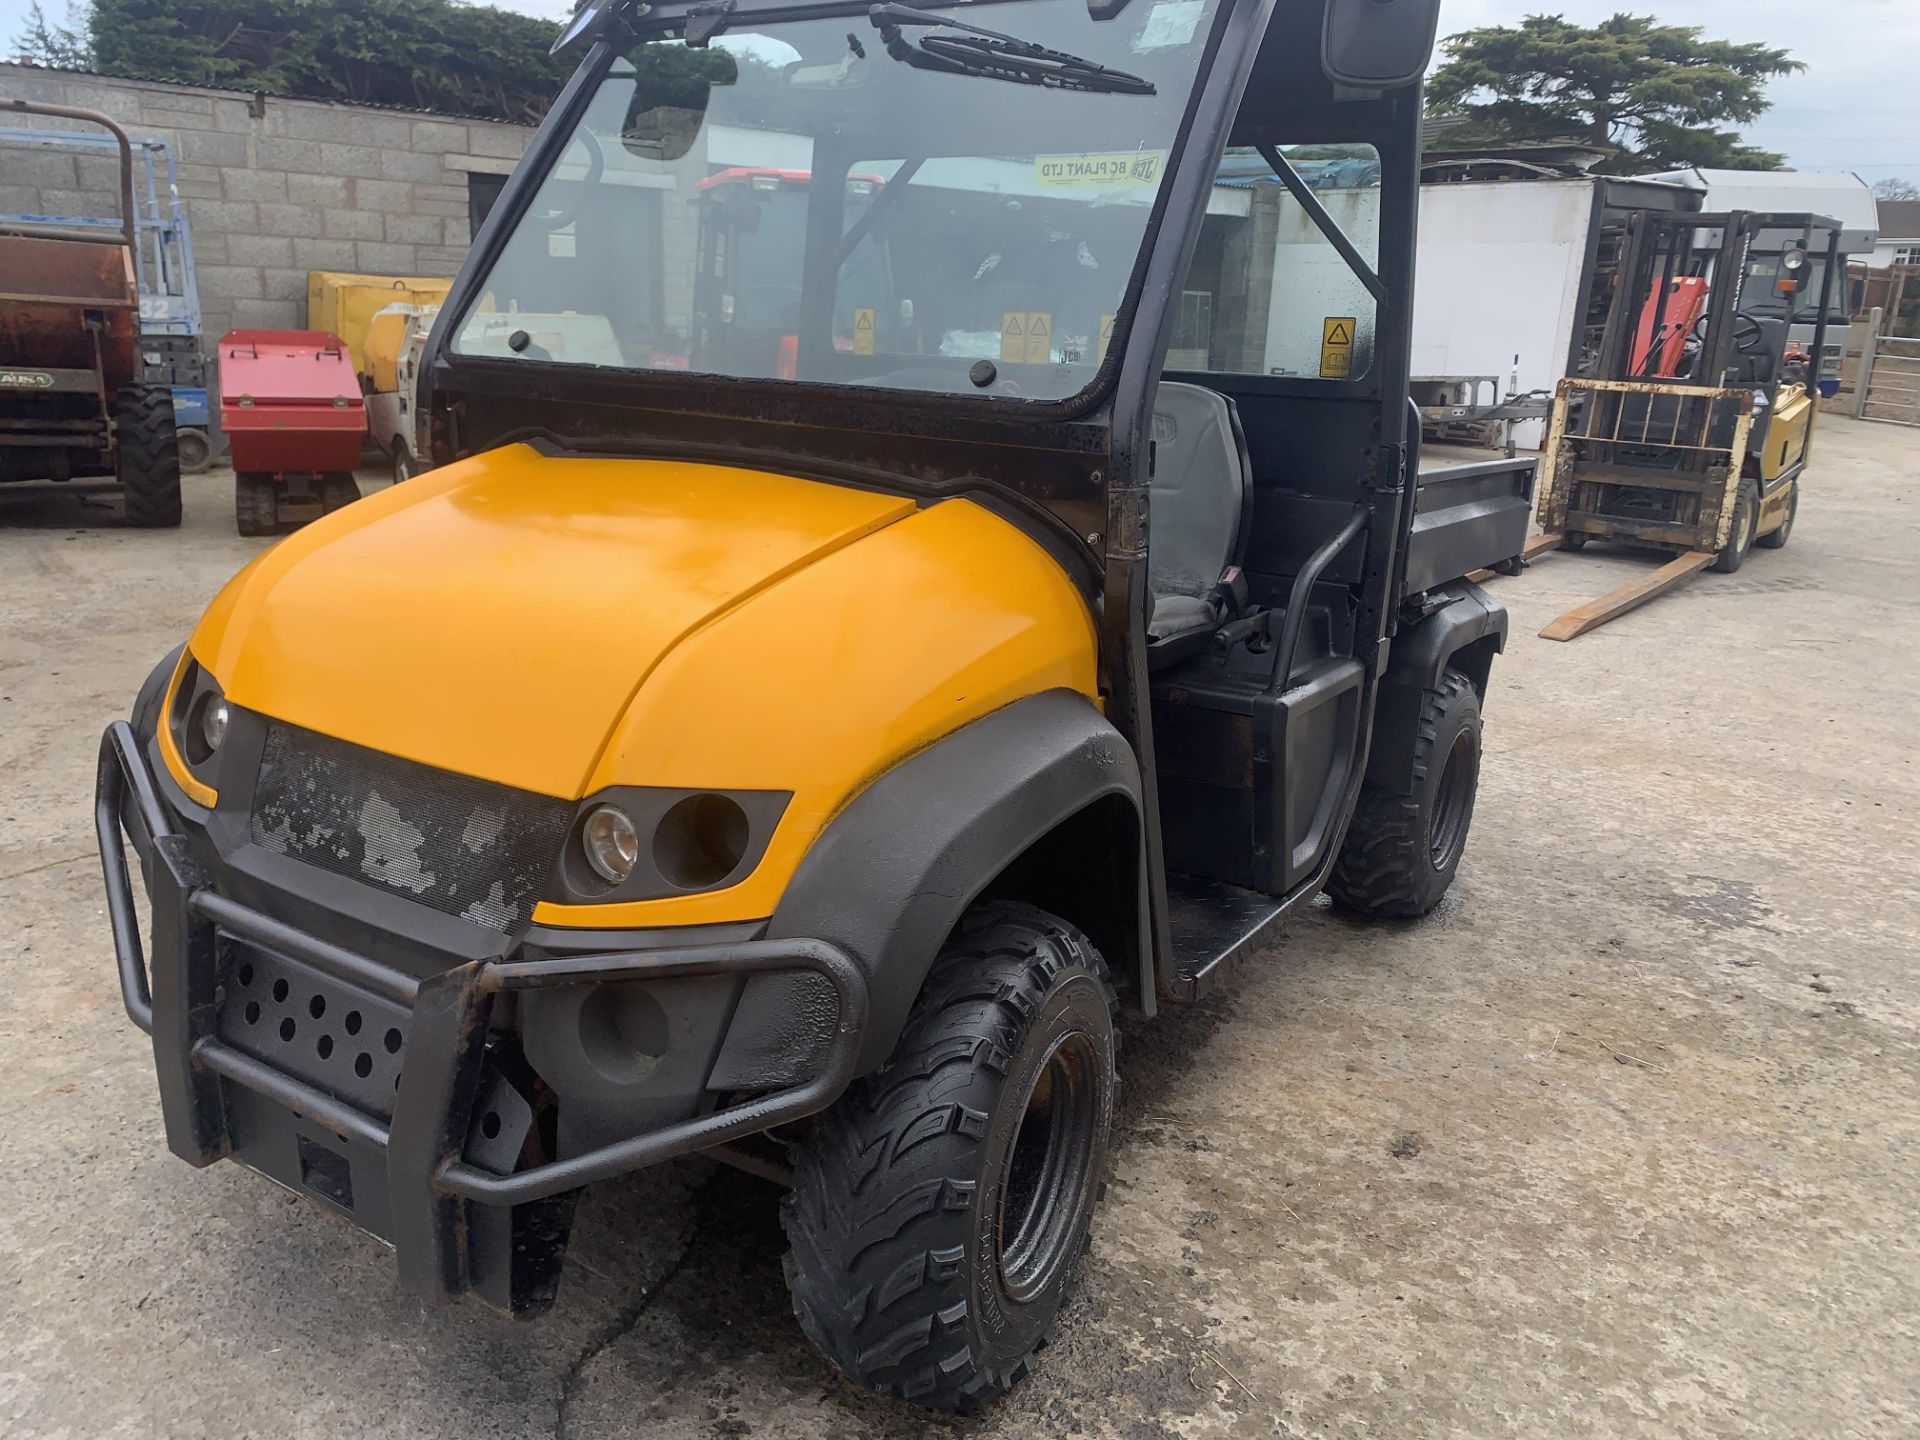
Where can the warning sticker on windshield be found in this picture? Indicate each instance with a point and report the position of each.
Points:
(863, 330)
(1120, 167)
(1336, 347)
(1171, 22)
(1039, 336)
(1026, 337)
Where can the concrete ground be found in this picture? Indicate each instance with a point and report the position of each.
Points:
(1623, 1141)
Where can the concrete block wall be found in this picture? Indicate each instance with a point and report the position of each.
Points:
(272, 187)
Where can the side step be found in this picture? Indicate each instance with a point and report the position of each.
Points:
(1616, 603)
(1213, 924)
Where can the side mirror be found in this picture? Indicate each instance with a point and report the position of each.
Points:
(1378, 44)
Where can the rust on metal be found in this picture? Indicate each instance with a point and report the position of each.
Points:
(1600, 442)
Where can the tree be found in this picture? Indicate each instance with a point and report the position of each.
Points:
(422, 54)
(44, 43)
(1654, 94)
(429, 54)
(1894, 188)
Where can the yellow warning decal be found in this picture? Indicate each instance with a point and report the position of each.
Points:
(1013, 337)
(1120, 167)
(1336, 347)
(863, 330)
(1039, 336)
(1106, 339)
(1026, 337)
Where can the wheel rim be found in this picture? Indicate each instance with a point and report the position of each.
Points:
(1045, 1174)
(1453, 802)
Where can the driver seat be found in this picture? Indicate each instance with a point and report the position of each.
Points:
(1201, 499)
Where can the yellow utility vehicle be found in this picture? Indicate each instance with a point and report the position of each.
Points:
(820, 684)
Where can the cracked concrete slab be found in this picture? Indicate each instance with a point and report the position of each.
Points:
(1621, 1141)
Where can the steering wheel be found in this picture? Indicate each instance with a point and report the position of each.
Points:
(1748, 337)
(596, 166)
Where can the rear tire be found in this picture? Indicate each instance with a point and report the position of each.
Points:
(1402, 849)
(402, 463)
(1776, 539)
(337, 490)
(147, 455)
(933, 1235)
(256, 505)
(1746, 518)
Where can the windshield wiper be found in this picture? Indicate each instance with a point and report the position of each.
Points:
(976, 51)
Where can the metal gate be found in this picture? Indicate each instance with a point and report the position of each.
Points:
(1888, 387)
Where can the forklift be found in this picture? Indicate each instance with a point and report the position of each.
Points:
(801, 756)
(1692, 435)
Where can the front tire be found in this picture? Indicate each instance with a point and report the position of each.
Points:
(1403, 848)
(941, 1207)
(147, 456)
(1746, 519)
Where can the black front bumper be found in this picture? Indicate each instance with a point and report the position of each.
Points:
(456, 1224)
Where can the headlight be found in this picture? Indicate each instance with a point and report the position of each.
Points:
(199, 719)
(611, 843)
(213, 721)
(640, 842)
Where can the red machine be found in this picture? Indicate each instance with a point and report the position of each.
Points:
(1659, 354)
(291, 406)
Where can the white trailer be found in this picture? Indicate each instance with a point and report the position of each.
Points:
(1511, 278)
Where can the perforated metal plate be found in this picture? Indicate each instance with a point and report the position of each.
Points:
(336, 1037)
(463, 846)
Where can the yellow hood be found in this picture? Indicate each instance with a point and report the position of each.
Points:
(497, 617)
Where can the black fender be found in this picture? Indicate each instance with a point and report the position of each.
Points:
(894, 871)
(1464, 631)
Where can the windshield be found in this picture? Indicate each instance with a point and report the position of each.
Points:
(796, 202)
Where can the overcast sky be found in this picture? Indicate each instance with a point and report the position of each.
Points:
(1857, 106)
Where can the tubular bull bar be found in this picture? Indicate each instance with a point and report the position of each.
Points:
(172, 995)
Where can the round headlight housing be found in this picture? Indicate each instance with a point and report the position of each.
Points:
(213, 722)
(611, 843)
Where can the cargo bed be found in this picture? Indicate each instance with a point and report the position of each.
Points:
(1472, 512)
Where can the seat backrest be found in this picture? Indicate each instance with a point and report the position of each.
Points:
(1199, 493)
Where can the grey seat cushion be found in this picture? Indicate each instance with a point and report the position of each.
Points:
(1198, 490)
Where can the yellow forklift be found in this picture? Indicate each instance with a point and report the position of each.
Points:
(1692, 433)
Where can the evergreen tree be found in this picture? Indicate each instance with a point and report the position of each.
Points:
(1654, 94)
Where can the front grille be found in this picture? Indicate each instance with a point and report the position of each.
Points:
(463, 846)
